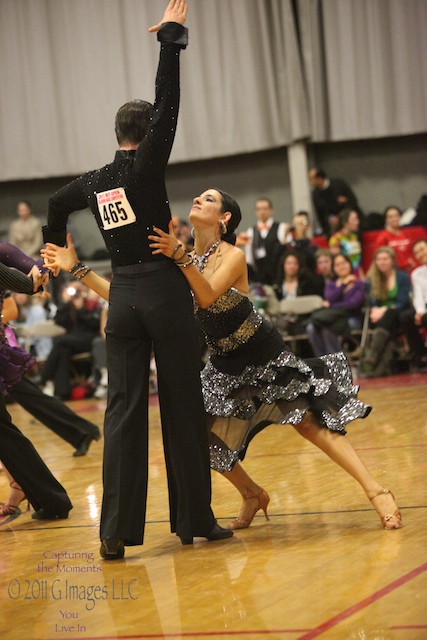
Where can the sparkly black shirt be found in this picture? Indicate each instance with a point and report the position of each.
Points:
(128, 196)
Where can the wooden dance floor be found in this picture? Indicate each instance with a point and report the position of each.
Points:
(322, 567)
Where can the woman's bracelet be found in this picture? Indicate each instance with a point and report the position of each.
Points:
(183, 265)
(178, 246)
(77, 267)
(80, 270)
(81, 274)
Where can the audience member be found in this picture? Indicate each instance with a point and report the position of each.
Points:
(342, 309)
(324, 264)
(31, 310)
(346, 240)
(415, 216)
(182, 230)
(299, 238)
(389, 296)
(395, 237)
(264, 243)
(81, 319)
(26, 232)
(415, 319)
(330, 196)
(294, 280)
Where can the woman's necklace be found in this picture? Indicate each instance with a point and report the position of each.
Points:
(201, 261)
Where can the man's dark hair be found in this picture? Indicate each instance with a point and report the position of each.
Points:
(265, 199)
(132, 121)
(28, 204)
(392, 206)
(320, 174)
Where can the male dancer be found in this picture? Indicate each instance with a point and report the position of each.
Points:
(128, 197)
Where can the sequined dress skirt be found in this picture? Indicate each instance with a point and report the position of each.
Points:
(263, 383)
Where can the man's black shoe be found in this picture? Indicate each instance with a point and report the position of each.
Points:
(85, 443)
(217, 533)
(112, 548)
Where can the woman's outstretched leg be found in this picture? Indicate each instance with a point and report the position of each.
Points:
(341, 451)
(254, 497)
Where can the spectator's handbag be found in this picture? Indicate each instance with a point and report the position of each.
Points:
(332, 318)
(286, 323)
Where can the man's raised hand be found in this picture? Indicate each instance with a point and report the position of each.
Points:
(176, 11)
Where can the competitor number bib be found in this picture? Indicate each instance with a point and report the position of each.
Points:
(114, 209)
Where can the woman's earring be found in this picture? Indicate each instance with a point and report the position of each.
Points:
(193, 235)
(223, 227)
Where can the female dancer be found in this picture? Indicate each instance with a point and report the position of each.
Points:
(50, 411)
(26, 471)
(252, 380)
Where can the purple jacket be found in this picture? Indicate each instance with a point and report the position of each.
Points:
(352, 300)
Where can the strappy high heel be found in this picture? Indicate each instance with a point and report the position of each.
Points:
(244, 520)
(9, 509)
(391, 520)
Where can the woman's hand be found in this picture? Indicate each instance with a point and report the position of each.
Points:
(377, 313)
(350, 279)
(166, 243)
(176, 11)
(57, 258)
(39, 279)
(326, 304)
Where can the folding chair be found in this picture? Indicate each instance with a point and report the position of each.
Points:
(299, 306)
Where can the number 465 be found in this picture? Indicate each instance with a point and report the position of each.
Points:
(113, 212)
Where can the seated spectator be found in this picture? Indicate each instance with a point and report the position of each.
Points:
(346, 240)
(389, 295)
(324, 265)
(81, 319)
(294, 280)
(299, 238)
(415, 318)
(26, 232)
(342, 309)
(182, 230)
(31, 310)
(395, 237)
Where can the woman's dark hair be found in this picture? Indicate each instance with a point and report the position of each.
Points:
(303, 273)
(392, 206)
(231, 205)
(346, 258)
(344, 215)
(132, 121)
